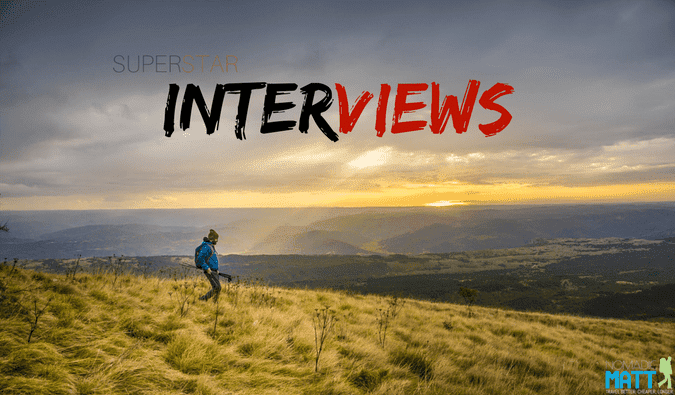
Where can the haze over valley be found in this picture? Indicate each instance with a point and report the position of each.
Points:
(318, 231)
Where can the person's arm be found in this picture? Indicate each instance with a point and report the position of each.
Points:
(207, 261)
(215, 260)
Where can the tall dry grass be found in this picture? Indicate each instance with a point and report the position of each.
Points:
(119, 334)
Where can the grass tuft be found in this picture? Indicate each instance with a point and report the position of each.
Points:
(194, 355)
(31, 359)
(368, 380)
(415, 361)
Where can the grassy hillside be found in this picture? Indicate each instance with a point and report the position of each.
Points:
(102, 333)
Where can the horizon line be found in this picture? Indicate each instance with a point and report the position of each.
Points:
(426, 206)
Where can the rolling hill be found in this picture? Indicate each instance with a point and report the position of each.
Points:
(114, 333)
(324, 231)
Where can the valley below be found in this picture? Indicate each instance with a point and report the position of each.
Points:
(609, 277)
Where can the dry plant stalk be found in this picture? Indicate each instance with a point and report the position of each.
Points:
(37, 313)
(323, 321)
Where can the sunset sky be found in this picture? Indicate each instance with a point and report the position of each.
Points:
(593, 104)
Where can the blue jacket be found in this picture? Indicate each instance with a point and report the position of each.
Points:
(206, 256)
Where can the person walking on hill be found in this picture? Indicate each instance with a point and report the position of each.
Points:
(206, 258)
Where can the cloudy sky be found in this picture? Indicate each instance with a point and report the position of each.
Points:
(593, 104)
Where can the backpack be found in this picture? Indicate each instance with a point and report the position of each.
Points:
(202, 254)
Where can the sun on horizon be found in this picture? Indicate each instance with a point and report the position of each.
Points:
(445, 203)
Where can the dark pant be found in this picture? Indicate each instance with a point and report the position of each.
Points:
(214, 279)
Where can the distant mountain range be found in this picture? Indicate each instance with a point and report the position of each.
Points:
(339, 231)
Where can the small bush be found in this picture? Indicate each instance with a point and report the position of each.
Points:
(183, 295)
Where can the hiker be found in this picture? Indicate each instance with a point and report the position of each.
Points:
(206, 258)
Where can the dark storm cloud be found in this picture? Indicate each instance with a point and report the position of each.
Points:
(11, 94)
